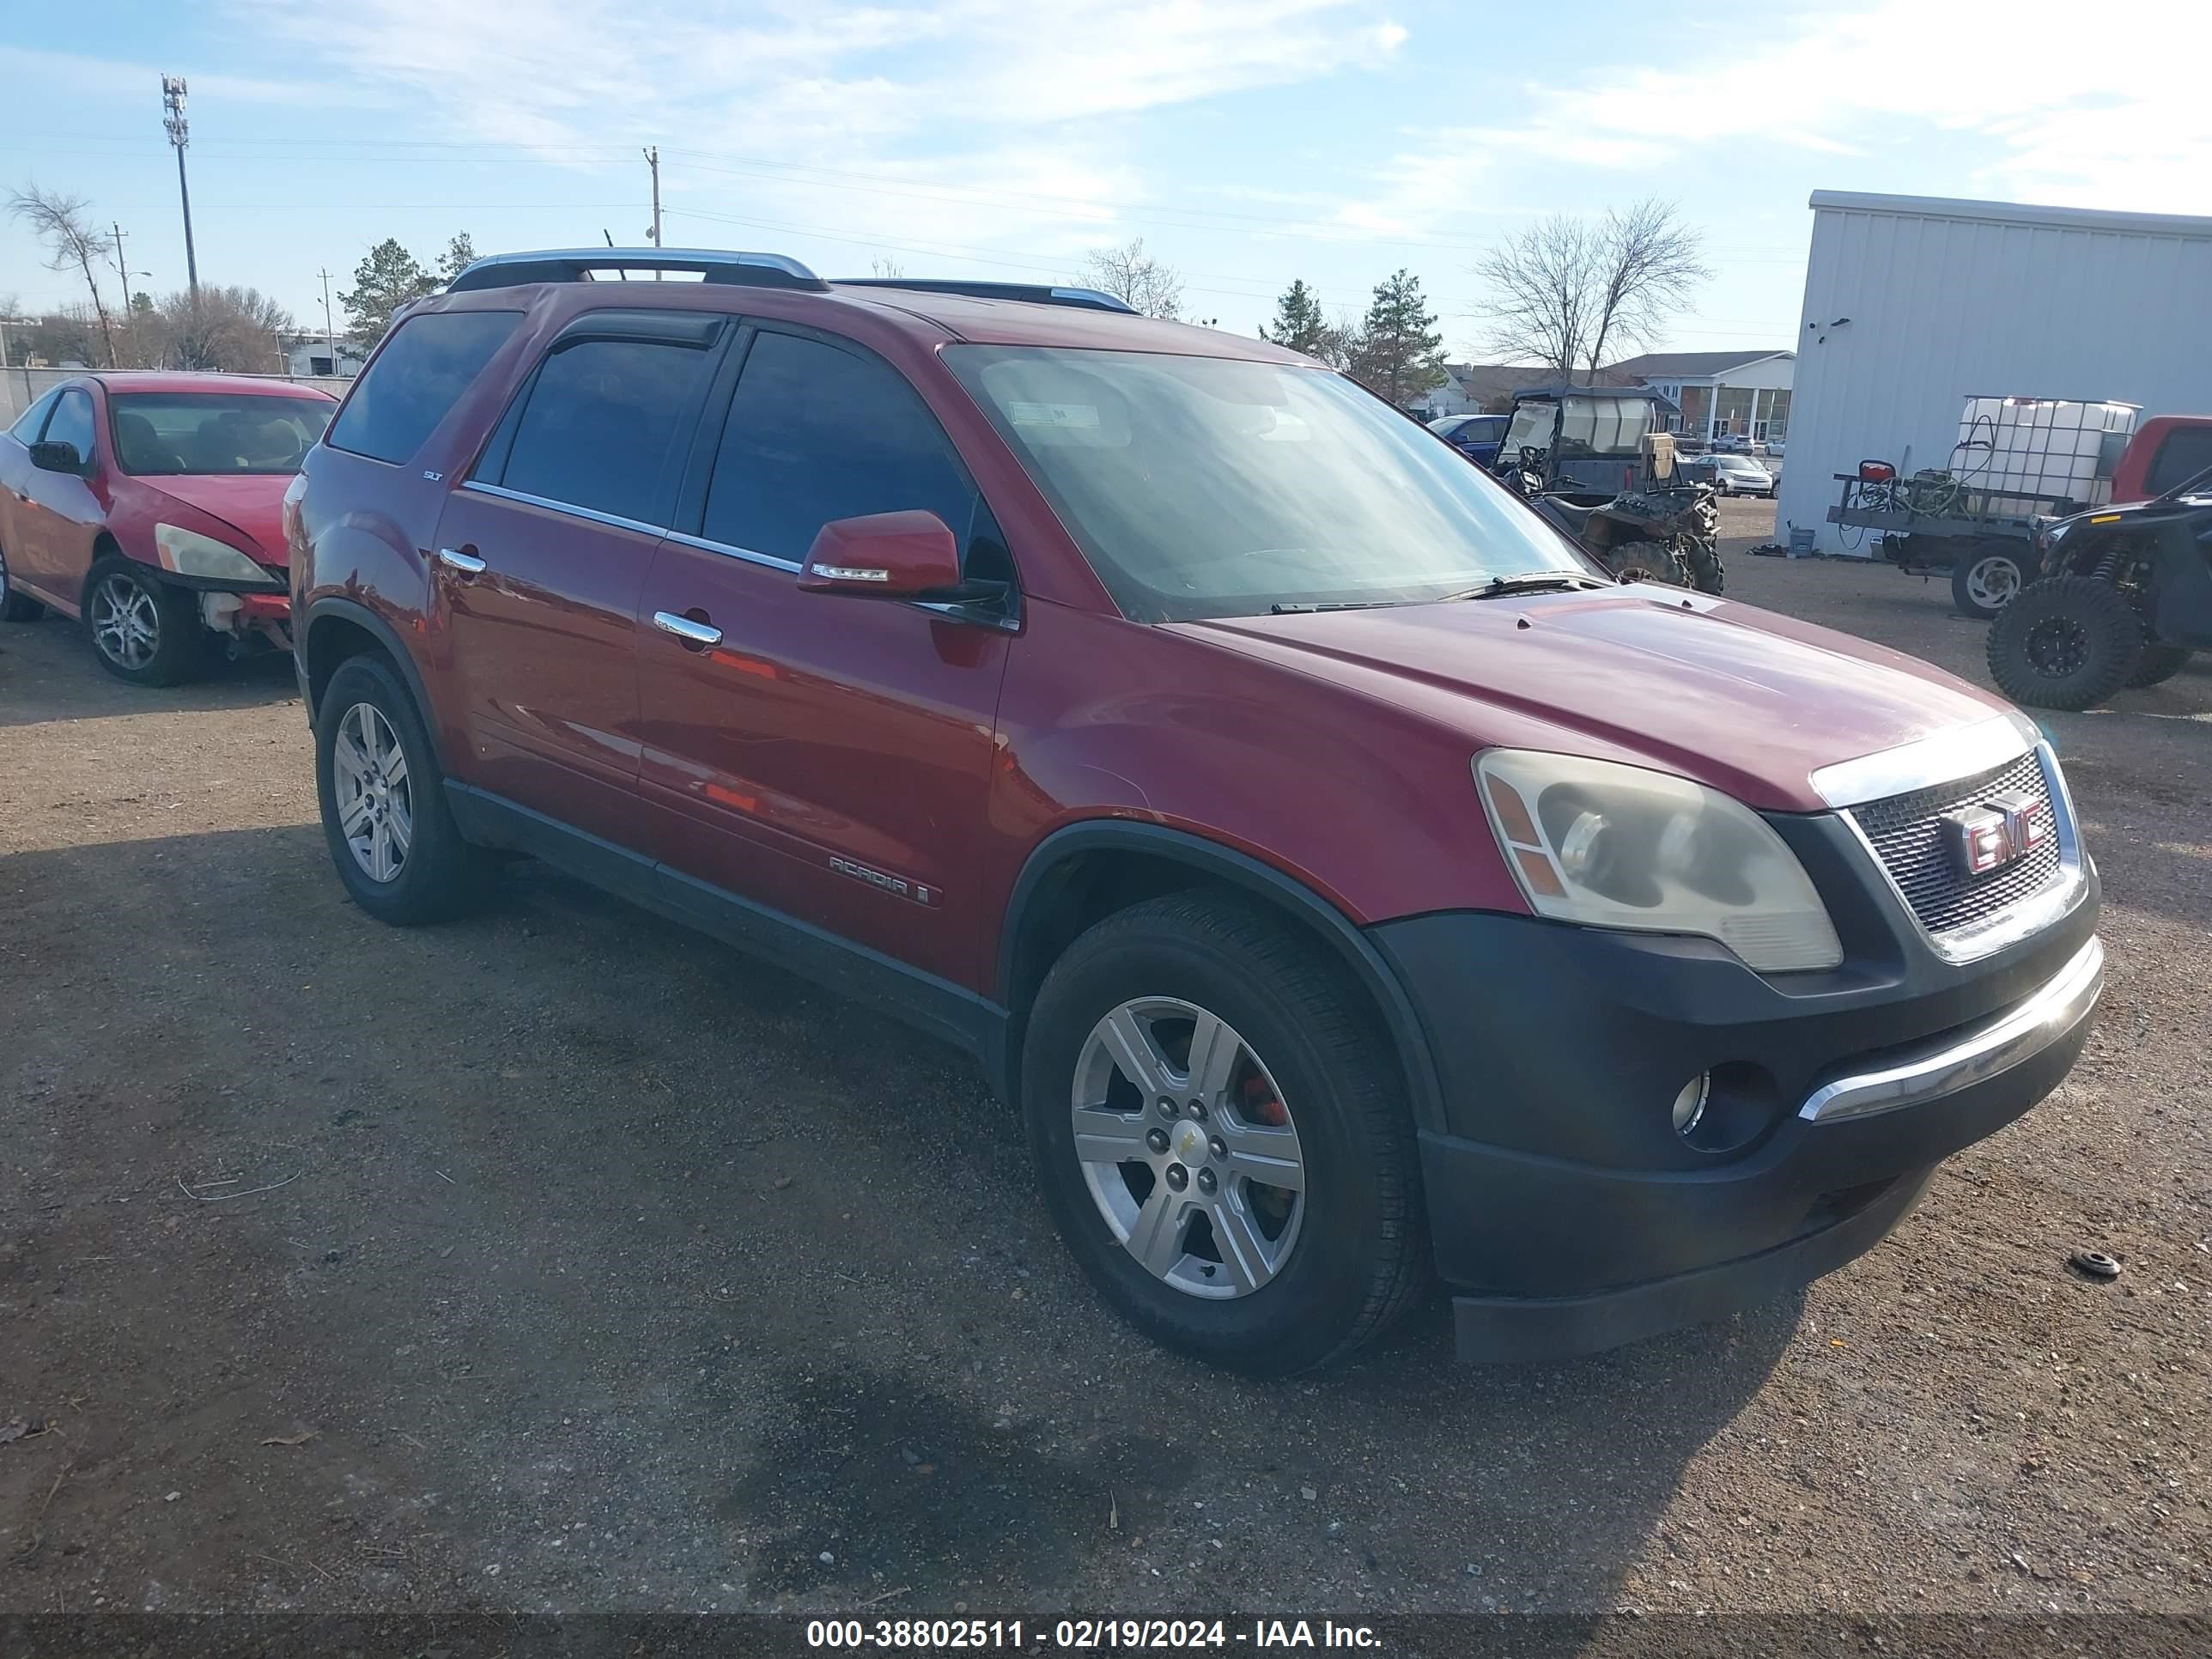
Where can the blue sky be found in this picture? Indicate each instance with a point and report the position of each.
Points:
(1247, 141)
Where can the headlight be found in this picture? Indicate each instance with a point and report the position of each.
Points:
(191, 554)
(1612, 845)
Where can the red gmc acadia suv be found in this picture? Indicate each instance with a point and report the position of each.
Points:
(1343, 880)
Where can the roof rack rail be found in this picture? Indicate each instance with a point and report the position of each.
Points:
(578, 265)
(1042, 294)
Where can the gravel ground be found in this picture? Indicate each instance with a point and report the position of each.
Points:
(556, 1259)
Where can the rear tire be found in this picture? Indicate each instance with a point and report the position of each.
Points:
(2157, 665)
(389, 829)
(2067, 642)
(14, 606)
(142, 630)
(1305, 1053)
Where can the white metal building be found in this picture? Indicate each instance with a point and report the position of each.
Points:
(1913, 304)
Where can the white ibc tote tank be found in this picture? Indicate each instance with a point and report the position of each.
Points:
(2025, 453)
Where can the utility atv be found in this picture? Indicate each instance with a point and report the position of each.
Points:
(2125, 596)
(1591, 462)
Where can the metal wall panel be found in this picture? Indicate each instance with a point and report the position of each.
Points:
(1948, 300)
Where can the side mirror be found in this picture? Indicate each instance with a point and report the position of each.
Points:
(57, 456)
(883, 556)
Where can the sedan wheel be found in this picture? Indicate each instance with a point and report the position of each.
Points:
(375, 797)
(1187, 1149)
(126, 623)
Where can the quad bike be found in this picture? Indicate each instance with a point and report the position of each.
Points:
(1655, 534)
(1590, 462)
(2124, 597)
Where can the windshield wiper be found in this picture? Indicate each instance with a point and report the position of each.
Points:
(1527, 582)
(1300, 610)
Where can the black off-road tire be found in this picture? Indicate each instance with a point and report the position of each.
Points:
(442, 874)
(180, 643)
(1361, 1256)
(2157, 665)
(14, 606)
(1706, 573)
(2067, 642)
(1648, 561)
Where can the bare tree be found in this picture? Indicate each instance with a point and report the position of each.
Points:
(60, 223)
(240, 330)
(1564, 291)
(887, 270)
(1649, 269)
(1134, 276)
(1538, 304)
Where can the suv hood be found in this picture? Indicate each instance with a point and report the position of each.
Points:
(1748, 702)
(251, 504)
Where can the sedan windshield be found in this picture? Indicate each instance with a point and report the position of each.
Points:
(1211, 486)
(177, 433)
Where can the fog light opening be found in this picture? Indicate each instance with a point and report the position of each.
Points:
(1690, 1104)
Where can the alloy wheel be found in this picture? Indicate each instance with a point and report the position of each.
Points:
(2057, 646)
(375, 797)
(1188, 1148)
(126, 621)
(1991, 582)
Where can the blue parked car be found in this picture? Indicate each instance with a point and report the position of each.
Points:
(1475, 436)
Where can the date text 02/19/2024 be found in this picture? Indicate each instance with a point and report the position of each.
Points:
(1084, 1634)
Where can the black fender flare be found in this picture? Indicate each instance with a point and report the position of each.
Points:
(384, 634)
(1056, 852)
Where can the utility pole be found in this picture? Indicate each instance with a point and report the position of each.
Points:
(172, 106)
(652, 161)
(122, 268)
(330, 339)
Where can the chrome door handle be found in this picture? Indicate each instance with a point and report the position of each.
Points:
(453, 559)
(685, 628)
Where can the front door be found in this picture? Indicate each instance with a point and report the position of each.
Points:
(56, 516)
(826, 757)
(542, 557)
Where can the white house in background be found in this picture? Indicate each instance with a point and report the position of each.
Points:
(312, 355)
(1479, 388)
(1743, 392)
(1913, 304)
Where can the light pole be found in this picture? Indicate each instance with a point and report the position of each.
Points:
(172, 106)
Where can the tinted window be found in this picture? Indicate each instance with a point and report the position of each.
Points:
(817, 433)
(2186, 452)
(601, 426)
(204, 432)
(422, 369)
(26, 429)
(72, 423)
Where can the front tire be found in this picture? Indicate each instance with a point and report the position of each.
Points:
(385, 816)
(142, 630)
(2067, 642)
(1221, 1135)
(1646, 562)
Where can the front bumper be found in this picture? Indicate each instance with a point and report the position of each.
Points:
(1568, 1215)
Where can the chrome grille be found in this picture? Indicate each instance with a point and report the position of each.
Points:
(1906, 832)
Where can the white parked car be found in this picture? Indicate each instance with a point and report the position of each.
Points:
(1740, 475)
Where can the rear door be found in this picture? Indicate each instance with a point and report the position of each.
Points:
(542, 557)
(826, 757)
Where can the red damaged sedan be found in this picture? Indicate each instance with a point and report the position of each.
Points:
(150, 506)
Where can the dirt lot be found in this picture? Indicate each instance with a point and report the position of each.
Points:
(559, 1260)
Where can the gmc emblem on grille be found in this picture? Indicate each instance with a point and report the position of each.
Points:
(2001, 830)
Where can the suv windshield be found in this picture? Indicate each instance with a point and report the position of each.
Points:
(175, 434)
(1212, 487)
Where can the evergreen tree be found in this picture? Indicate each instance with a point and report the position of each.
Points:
(1299, 324)
(460, 254)
(1400, 354)
(387, 278)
